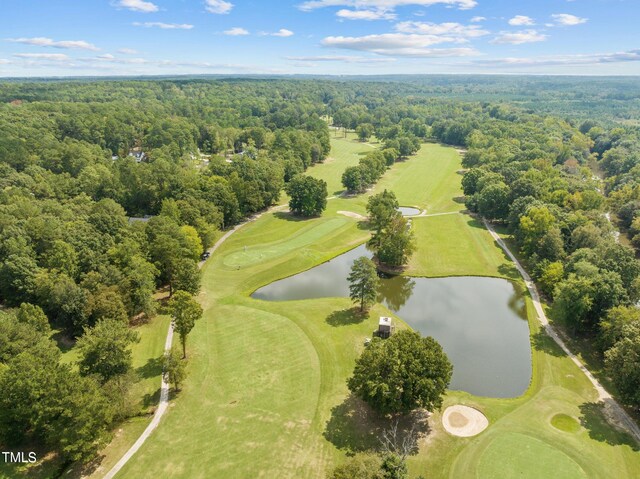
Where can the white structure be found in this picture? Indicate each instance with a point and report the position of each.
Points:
(385, 327)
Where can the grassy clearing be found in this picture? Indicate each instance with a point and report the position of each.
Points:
(345, 152)
(457, 245)
(266, 396)
(427, 180)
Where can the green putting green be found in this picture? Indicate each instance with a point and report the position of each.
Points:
(518, 456)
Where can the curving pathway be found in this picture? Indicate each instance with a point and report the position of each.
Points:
(614, 411)
(164, 387)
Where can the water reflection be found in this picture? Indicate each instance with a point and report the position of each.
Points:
(395, 291)
(480, 322)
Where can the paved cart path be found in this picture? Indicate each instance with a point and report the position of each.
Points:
(164, 388)
(616, 413)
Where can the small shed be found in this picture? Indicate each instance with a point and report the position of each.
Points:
(385, 327)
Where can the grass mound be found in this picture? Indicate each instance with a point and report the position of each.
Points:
(565, 423)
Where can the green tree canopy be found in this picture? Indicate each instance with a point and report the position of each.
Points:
(394, 244)
(402, 373)
(308, 195)
(382, 208)
(175, 368)
(363, 282)
(184, 311)
(105, 349)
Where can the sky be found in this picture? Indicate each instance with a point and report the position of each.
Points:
(319, 37)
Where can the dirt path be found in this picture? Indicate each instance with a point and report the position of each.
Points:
(615, 413)
(164, 387)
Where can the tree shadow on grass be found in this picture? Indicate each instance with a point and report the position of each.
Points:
(80, 470)
(594, 420)
(508, 270)
(150, 400)
(346, 317)
(288, 216)
(543, 342)
(364, 225)
(355, 427)
(460, 199)
(151, 369)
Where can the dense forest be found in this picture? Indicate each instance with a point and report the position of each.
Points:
(112, 189)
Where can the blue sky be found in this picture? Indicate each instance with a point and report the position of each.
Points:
(134, 37)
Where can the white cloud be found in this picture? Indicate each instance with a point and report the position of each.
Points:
(219, 7)
(387, 5)
(398, 44)
(589, 59)
(4, 61)
(164, 26)
(48, 42)
(283, 32)
(365, 15)
(520, 20)
(236, 31)
(341, 58)
(138, 6)
(478, 19)
(58, 57)
(456, 30)
(128, 51)
(567, 19)
(517, 38)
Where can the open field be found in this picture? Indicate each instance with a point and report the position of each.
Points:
(427, 180)
(266, 395)
(344, 153)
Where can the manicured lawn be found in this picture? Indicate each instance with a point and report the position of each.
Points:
(455, 245)
(266, 393)
(427, 180)
(345, 152)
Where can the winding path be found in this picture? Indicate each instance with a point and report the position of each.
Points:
(164, 387)
(613, 410)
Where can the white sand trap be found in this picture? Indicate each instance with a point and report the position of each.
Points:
(351, 214)
(464, 421)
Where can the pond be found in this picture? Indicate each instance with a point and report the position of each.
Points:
(480, 322)
(408, 211)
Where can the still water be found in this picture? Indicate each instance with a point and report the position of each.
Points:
(480, 322)
(408, 211)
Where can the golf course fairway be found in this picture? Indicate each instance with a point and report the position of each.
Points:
(266, 391)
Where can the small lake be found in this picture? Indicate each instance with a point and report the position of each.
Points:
(408, 211)
(480, 322)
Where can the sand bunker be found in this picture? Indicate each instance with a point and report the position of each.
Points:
(464, 421)
(351, 214)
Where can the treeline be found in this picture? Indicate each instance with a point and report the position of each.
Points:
(371, 167)
(88, 232)
(531, 173)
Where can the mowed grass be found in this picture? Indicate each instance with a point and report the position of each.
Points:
(345, 152)
(266, 394)
(456, 245)
(427, 180)
(518, 456)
